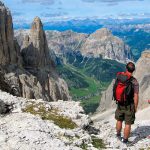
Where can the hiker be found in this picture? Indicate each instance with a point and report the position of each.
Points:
(126, 94)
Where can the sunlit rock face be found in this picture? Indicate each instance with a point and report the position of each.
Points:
(142, 74)
(103, 43)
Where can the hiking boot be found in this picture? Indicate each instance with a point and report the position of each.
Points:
(128, 143)
(125, 141)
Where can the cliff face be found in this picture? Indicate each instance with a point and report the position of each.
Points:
(31, 72)
(142, 65)
(9, 53)
(107, 102)
(103, 43)
(142, 73)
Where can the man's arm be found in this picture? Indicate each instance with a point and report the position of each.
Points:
(136, 101)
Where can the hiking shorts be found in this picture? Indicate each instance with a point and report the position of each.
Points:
(125, 113)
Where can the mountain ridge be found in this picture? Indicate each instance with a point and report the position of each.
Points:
(63, 42)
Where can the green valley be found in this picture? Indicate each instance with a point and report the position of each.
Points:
(88, 77)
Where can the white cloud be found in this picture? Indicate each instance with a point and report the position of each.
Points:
(110, 2)
(58, 14)
(42, 2)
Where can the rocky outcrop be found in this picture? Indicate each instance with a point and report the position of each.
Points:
(35, 51)
(9, 53)
(142, 65)
(107, 101)
(31, 72)
(5, 108)
(103, 43)
(142, 73)
(36, 124)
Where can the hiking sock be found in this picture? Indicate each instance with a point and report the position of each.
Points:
(118, 134)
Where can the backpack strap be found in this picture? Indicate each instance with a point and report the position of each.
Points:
(114, 89)
(129, 81)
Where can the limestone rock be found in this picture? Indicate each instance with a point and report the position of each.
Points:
(8, 53)
(24, 130)
(142, 65)
(143, 75)
(35, 50)
(31, 73)
(44, 81)
(103, 43)
(144, 92)
(5, 108)
(106, 102)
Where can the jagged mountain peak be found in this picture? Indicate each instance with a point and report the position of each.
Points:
(104, 43)
(37, 24)
(1, 3)
(35, 45)
(102, 32)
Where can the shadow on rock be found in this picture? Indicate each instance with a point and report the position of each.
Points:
(90, 129)
(140, 133)
(5, 108)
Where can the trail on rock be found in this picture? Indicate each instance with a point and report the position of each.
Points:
(140, 134)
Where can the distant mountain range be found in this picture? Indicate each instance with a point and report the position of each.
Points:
(89, 25)
(134, 32)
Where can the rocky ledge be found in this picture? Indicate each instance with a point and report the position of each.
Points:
(45, 125)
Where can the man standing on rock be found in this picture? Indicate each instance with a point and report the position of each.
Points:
(126, 94)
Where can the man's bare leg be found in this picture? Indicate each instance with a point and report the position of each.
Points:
(118, 127)
(127, 131)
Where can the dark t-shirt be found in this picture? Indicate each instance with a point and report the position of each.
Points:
(136, 85)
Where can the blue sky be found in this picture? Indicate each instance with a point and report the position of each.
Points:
(52, 10)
